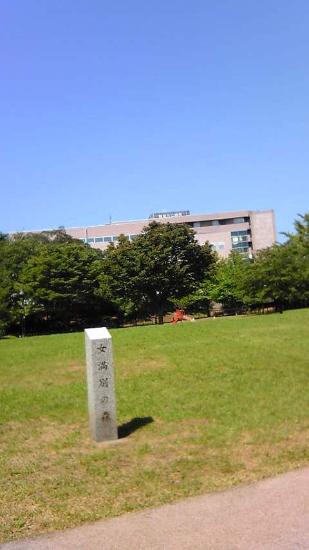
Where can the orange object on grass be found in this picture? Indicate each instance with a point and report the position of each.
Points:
(178, 316)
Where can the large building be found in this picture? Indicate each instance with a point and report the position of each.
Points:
(245, 231)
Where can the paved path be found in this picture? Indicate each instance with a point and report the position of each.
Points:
(269, 515)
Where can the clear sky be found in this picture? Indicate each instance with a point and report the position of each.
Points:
(126, 107)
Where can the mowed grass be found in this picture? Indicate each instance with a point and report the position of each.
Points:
(228, 399)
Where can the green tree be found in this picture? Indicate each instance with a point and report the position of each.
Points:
(4, 296)
(49, 281)
(301, 230)
(61, 284)
(119, 277)
(227, 285)
(150, 274)
(281, 273)
(15, 252)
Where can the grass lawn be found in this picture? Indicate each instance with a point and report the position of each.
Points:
(229, 404)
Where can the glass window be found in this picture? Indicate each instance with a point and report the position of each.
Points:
(214, 222)
(240, 245)
(98, 239)
(238, 233)
(107, 239)
(115, 238)
(90, 240)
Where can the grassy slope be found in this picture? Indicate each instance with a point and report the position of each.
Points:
(228, 399)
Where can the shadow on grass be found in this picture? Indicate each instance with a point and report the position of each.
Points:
(129, 427)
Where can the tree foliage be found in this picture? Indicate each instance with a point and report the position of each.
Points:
(227, 286)
(49, 281)
(158, 268)
(62, 283)
(281, 273)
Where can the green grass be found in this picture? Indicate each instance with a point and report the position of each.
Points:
(229, 400)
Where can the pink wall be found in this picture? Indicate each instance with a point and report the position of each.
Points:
(262, 227)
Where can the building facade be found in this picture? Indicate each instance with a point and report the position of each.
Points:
(246, 231)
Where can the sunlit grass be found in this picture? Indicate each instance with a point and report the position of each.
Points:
(228, 398)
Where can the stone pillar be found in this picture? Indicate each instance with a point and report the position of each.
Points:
(100, 382)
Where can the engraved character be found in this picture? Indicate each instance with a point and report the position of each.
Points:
(104, 399)
(103, 383)
(101, 348)
(103, 365)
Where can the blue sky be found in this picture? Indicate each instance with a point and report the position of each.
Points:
(128, 107)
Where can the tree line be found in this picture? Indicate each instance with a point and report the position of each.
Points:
(50, 282)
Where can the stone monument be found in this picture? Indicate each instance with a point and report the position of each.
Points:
(100, 382)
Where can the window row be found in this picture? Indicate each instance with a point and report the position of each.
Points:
(106, 239)
(240, 239)
(242, 250)
(225, 221)
(240, 244)
(239, 233)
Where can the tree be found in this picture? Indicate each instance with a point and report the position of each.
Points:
(228, 281)
(4, 302)
(60, 284)
(50, 281)
(119, 277)
(150, 274)
(281, 273)
(302, 230)
(15, 252)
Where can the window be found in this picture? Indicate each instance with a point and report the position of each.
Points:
(115, 238)
(241, 241)
(90, 240)
(238, 233)
(98, 239)
(223, 221)
(226, 221)
(240, 245)
(107, 239)
(243, 250)
(230, 221)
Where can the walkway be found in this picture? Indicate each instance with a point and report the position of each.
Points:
(268, 515)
